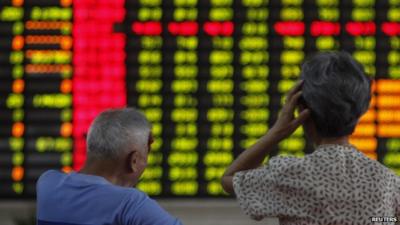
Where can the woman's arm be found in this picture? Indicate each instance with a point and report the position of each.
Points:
(283, 127)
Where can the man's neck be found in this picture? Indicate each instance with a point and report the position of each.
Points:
(102, 170)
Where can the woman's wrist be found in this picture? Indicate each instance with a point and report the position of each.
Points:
(275, 135)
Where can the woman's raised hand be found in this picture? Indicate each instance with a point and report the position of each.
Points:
(287, 123)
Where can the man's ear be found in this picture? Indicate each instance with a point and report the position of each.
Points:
(132, 161)
(151, 139)
(149, 142)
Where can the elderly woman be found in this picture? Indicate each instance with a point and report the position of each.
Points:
(336, 184)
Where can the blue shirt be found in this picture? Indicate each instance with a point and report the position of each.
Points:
(80, 199)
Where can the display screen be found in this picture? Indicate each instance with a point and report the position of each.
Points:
(210, 75)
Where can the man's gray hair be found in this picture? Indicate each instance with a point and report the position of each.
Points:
(115, 131)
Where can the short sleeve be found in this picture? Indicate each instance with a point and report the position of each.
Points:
(397, 200)
(274, 190)
(147, 212)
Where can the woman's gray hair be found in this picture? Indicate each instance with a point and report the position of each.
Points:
(116, 131)
(337, 92)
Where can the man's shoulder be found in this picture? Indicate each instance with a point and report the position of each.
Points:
(131, 193)
(56, 186)
(97, 185)
(49, 175)
(126, 195)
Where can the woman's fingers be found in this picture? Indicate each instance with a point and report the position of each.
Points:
(295, 99)
(296, 88)
(292, 102)
(286, 121)
(303, 116)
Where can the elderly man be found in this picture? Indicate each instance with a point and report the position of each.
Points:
(101, 193)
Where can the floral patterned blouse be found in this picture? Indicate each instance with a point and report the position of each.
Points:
(336, 184)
